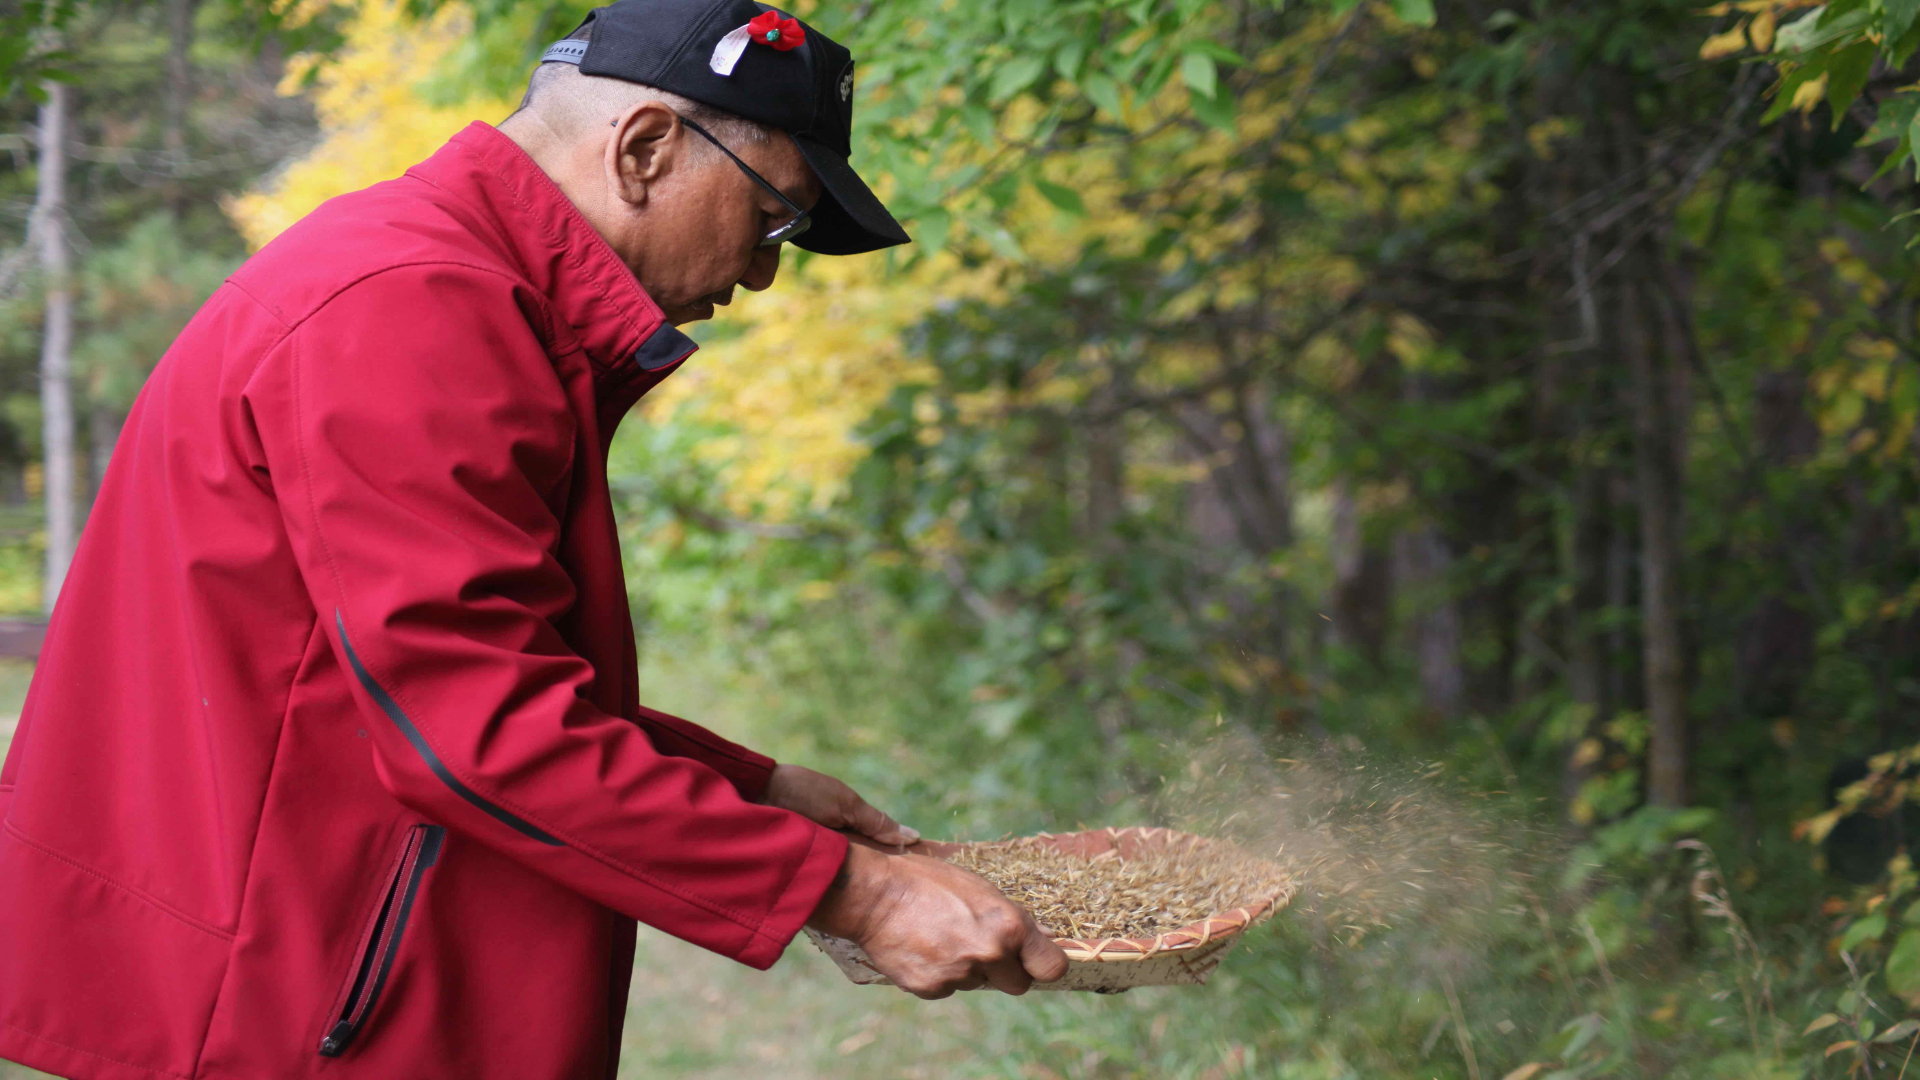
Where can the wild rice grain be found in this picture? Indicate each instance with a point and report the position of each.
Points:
(1107, 896)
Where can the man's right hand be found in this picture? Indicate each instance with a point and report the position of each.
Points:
(934, 928)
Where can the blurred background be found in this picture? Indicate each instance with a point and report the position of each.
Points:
(1466, 451)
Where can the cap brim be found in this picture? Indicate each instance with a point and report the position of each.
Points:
(849, 218)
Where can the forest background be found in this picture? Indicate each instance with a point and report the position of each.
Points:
(1466, 450)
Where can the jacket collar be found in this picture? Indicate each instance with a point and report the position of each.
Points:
(619, 325)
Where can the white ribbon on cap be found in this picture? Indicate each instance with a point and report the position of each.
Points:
(730, 50)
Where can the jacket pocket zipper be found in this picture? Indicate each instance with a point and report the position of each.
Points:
(417, 856)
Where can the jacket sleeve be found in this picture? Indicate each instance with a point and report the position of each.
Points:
(413, 428)
(746, 770)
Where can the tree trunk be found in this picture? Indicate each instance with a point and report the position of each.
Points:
(1776, 643)
(1106, 472)
(1422, 566)
(56, 404)
(1586, 646)
(1622, 663)
(1362, 581)
(179, 92)
(1656, 492)
(103, 430)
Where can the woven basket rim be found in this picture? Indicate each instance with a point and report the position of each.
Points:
(1214, 930)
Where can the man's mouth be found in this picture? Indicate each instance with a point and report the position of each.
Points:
(702, 308)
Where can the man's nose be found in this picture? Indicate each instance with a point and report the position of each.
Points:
(762, 268)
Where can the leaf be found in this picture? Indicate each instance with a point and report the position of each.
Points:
(1762, 30)
(1018, 74)
(1066, 59)
(1821, 1023)
(1897, 16)
(998, 718)
(1525, 1072)
(1903, 47)
(1063, 197)
(1805, 100)
(979, 123)
(1846, 1044)
(1817, 29)
(1156, 76)
(1903, 963)
(1864, 931)
(1726, 44)
(1895, 115)
(1222, 53)
(1787, 94)
(1797, 36)
(1691, 820)
(1199, 74)
(930, 232)
(1901, 152)
(1003, 242)
(1104, 93)
(1216, 111)
(1902, 1030)
(1417, 12)
(1846, 77)
(1584, 1028)
(1002, 189)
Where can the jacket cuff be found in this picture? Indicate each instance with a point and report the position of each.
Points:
(747, 771)
(797, 902)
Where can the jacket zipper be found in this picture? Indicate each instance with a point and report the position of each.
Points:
(417, 856)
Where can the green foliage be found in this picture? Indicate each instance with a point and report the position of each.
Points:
(136, 297)
(960, 102)
(30, 45)
(1843, 43)
(34, 43)
(1052, 574)
(1299, 408)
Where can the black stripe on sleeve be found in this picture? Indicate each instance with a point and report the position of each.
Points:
(399, 718)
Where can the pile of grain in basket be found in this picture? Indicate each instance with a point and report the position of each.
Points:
(1106, 896)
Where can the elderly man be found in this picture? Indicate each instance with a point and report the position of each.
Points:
(335, 763)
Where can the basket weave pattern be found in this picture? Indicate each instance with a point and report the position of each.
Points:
(1109, 965)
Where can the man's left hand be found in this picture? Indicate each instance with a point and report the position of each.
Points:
(826, 800)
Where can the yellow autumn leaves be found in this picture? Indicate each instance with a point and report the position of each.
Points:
(1756, 31)
(374, 124)
(794, 371)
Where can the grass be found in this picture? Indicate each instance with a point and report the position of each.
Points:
(694, 1014)
(15, 674)
(1474, 985)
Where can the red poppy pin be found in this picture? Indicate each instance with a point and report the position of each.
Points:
(767, 28)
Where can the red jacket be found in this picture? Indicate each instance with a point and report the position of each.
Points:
(334, 763)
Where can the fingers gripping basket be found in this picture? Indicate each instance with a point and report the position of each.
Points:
(1185, 956)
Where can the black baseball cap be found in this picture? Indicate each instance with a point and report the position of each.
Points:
(804, 90)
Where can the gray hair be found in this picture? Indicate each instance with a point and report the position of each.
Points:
(571, 102)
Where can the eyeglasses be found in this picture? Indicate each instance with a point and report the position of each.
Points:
(800, 221)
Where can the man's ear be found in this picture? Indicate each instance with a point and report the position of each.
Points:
(646, 142)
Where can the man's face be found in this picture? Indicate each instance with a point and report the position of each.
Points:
(692, 219)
